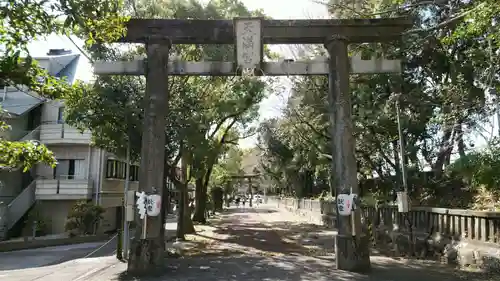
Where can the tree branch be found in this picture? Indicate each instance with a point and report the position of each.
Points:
(446, 22)
(235, 141)
(310, 125)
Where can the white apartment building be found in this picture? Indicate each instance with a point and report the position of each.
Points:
(83, 172)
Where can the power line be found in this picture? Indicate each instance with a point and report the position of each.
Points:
(80, 49)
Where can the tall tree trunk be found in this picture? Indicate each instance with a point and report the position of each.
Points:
(188, 226)
(201, 202)
(146, 251)
(184, 223)
(460, 140)
(445, 149)
(181, 211)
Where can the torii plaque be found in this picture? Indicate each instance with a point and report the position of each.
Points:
(352, 251)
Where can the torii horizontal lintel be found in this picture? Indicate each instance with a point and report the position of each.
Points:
(180, 31)
(185, 68)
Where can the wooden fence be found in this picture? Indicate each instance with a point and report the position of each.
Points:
(460, 224)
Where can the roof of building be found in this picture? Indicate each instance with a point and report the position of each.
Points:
(19, 102)
(59, 63)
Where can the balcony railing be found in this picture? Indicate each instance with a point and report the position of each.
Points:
(56, 132)
(64, 187)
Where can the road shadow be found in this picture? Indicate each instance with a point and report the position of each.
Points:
(283, 237)
(239, 247)
(235, 266)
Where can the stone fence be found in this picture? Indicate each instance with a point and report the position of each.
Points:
(460, 236)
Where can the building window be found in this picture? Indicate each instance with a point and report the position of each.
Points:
(60, 115)
(122, 169)
(134, 173)
(111, 169)
(118, 170)
(68, 169)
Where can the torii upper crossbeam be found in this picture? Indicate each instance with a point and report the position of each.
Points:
(273, 31)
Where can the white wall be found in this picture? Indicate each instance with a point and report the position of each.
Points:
(10, 186)
(18, 129)
(50, 111)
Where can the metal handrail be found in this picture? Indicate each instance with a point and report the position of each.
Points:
(26, 198)
(58, 122)
(32, 135)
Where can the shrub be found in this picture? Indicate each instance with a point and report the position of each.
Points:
(83, 218)
(479, 169)
(35, 219)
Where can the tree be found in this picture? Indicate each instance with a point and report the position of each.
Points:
(26, 21)
(228, 166)
(239, 107)
(205, 113)
(448, 65)
(83, 218)
(22, 154)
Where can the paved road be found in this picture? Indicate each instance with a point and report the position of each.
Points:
(254, 244)
(39, 264)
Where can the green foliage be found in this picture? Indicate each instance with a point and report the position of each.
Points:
(479, 169)
(36, 220)
(326, 197)
(229, 164)
(24, 154)
(84, 218)
(449, 59)
(206, 115)
(26, 21)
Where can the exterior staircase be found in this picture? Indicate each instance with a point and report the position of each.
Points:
(21, 204)
(11, 213)
(32, 135)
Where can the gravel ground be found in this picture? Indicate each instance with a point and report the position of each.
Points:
(262, 243)
(268, 244)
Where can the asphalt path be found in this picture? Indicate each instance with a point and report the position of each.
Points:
(48, 256)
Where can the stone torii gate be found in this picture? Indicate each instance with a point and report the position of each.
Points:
(248, 35)
(249, 178)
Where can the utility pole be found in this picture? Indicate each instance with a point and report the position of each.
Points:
(401, 149)
(403, 198)
(351, 244)
(493, 92)
(182, 194)
(250, 204)
(126, 237)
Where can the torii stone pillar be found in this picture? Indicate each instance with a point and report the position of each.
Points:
(144, 252)
(351, 244)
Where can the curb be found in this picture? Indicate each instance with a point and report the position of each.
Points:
(10, 246)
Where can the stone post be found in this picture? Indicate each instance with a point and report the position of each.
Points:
(351, 245)
(147, 254)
